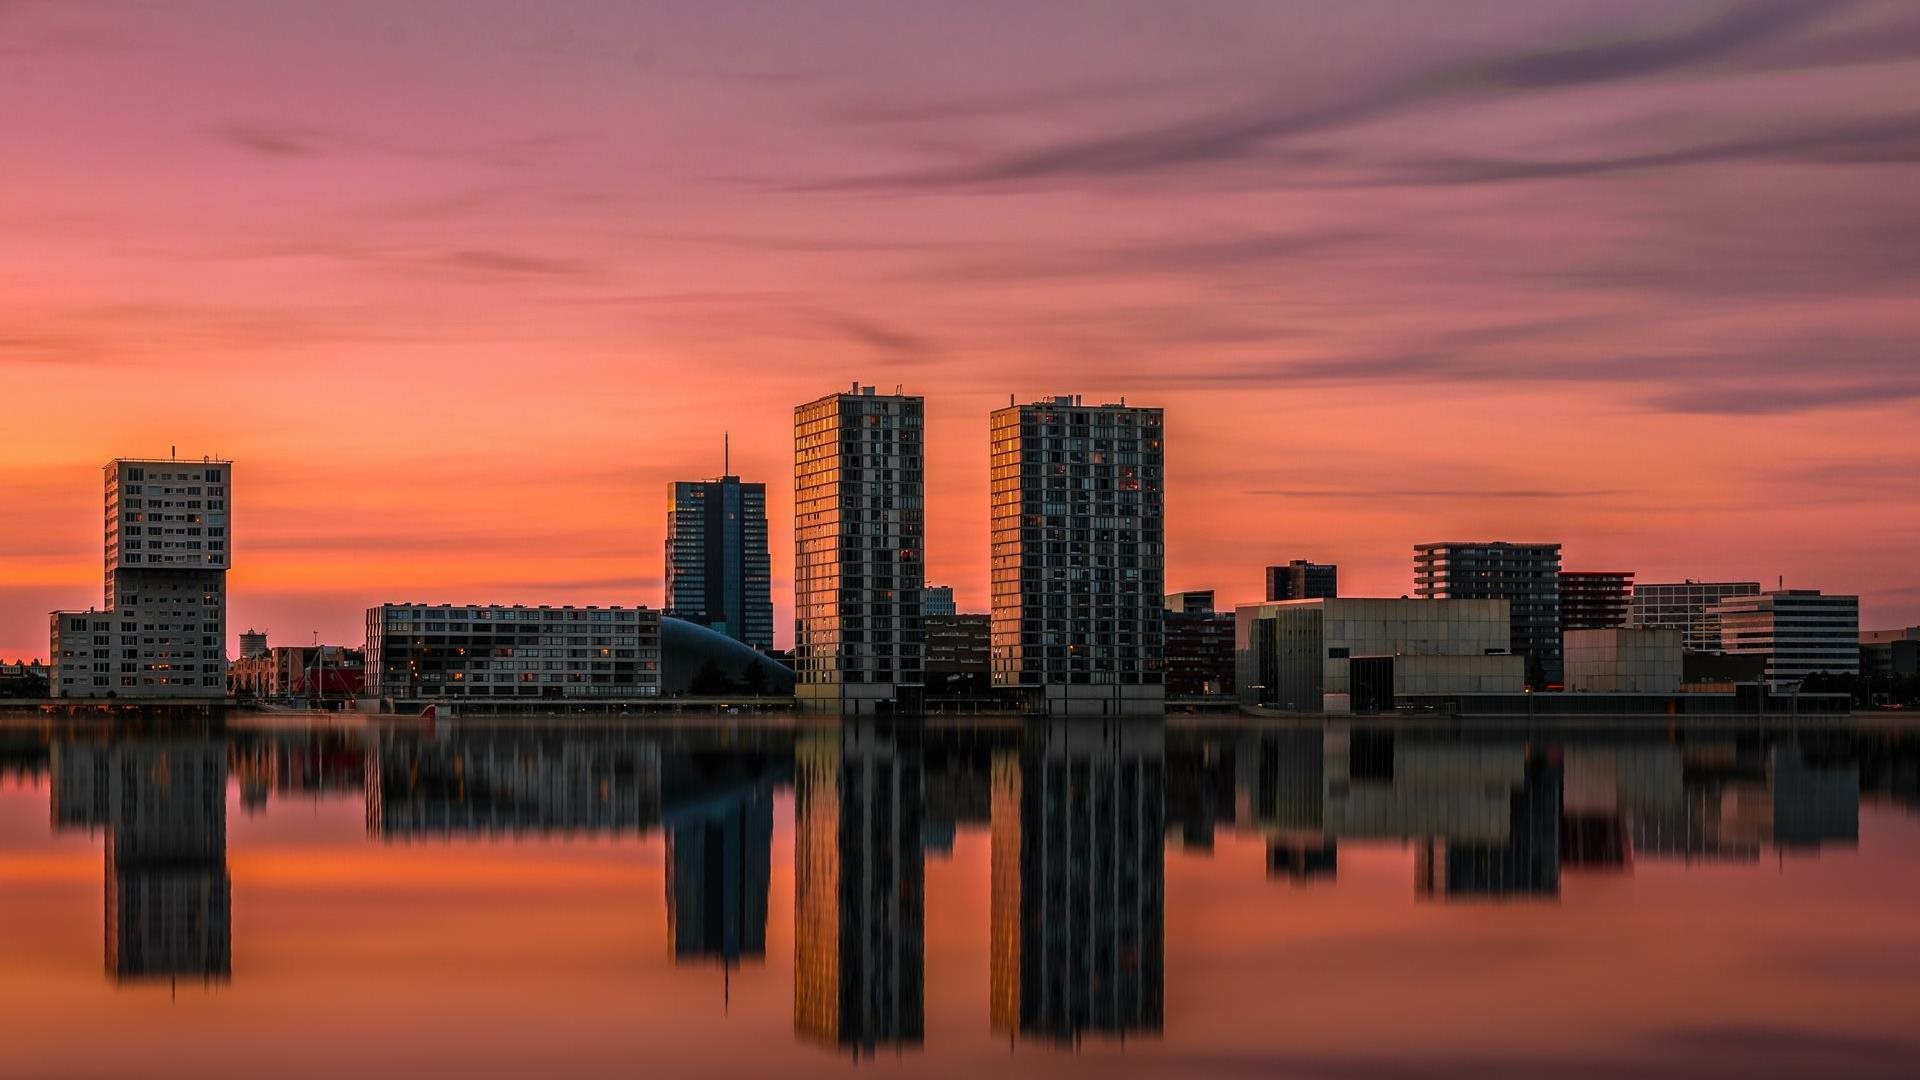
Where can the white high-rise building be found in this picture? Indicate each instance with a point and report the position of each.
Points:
(163, 631)
(1799, 631)
(858, 563)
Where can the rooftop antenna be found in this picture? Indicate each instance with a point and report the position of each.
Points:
(173, 452)
(726, 453)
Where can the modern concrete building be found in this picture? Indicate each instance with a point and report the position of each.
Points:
(1801, 632)
(859, 536)
(1890, 652)
(163, 630)
(1079, 556)
(1594, 599)
(1349, 654)
(937, 600)
(1527, 576)
(1686, 606)
(718, 571)
(416, 652)
(1303, 580)
(1624, 660)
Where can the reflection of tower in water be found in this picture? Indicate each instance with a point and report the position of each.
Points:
(163, 806)
(719, 858)
(859, 878)
(1078, 881)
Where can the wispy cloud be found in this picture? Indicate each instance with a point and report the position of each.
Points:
(287, 140)
(1256, 129)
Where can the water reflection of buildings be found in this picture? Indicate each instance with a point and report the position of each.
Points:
(1507, 816)
(162, 804)
(859, 887)
(1078, 880)
(512, 781)
(719, 861)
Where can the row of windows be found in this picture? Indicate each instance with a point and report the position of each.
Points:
(462, 615)
(206, 476)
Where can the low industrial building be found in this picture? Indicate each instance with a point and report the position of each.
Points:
(1624, 660)
(1369, 655)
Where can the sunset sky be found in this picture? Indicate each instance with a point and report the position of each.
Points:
(461, 286)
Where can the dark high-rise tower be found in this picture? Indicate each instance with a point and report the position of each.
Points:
(1594, 600)
(1527, 576)
(718, 572)
(1303, 580)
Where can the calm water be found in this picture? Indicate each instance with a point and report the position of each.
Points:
(1093, 899)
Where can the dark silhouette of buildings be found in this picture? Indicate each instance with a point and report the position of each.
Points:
(1199, 644)
(1527, 576)
(1595, 600)
(1303, 580)
(718, 572)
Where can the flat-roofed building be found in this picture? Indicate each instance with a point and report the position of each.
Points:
(859, 532)
(1079, 556)
(1527, 576)
(1801, 632)
(1594, 599)
(1624, 660)
(1303, 580)
(1348, 654)
(1199, 646)
(959, 656)
(162, 632)
(421, 652)
(1890, 652)
(1686, 606)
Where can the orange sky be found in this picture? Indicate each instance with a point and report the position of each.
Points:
(462, 287)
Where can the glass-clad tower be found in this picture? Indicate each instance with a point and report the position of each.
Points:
(859, 526)
(718, 571)
(1079, 557)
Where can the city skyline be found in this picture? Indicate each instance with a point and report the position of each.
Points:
(1627, 277)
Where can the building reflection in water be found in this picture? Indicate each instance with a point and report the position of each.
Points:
(719, 862)
(512, 781)
(162, 804)
(1078, 881)
(1497, 816)
(859, 887)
